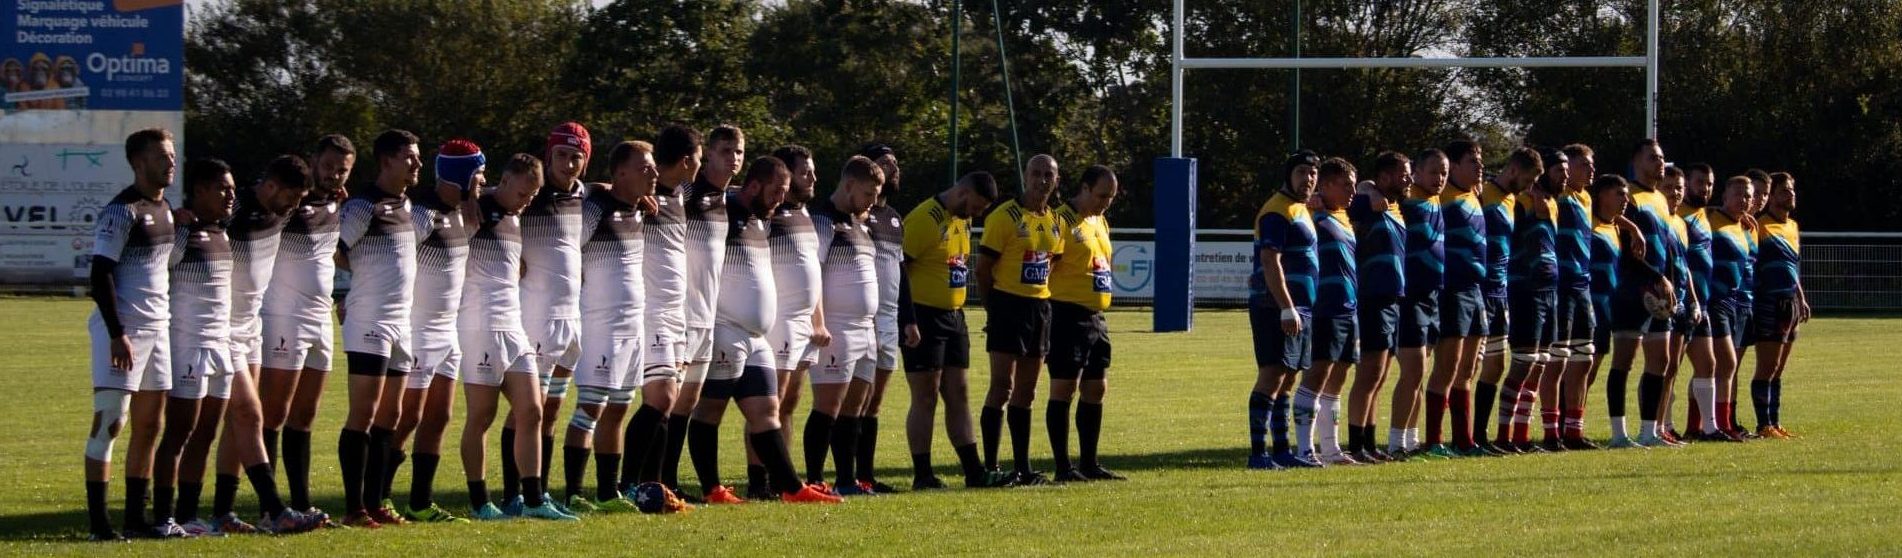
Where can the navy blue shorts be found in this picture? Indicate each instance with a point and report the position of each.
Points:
(1535, 319)
(1628, 314)
(1336, 339)
(1743, 324)
(1575, 320)
(1274, 348)
(1462, 313)
(1682, 323)
(1497, 321)
(1602, 323)
(1721, 321)
(1379, 324)
(1420, 320)
(1776, 319)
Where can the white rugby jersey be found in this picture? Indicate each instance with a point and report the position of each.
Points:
(375, 229)
(888, 234)
(611, 258)
(137, 234)
(491, 300)
(442, 254)
(306, 268)
(664, 259)
(254, 233)
(707, 225)
(551, 250)
(796, 256)
(201, 287)
(851, 259)
(746, 282)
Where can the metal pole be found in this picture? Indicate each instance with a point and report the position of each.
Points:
(1175, 85)
(1003, 60)
(957, 28)
(1294, 88)
(1651, 70)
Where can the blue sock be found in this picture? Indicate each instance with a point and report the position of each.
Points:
(1760, 401)
(1258, 406)
(1776, 402)
(1278, 422)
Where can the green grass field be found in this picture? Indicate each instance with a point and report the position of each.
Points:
(1175, 424)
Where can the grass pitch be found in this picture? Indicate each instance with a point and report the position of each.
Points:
(1174, 423)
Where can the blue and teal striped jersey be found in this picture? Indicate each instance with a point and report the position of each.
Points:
(1465, 239)
(1283, 225)
(1499, 209)
(1779, 256)
(1607, 253)
(1730, 258)
(1334, 248)
(1426, 245)
(1651, 213)
(1697, 240)
(1534, 266)
(1575, 241)
(1380, 249)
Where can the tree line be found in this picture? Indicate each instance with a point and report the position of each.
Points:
(1814, 88)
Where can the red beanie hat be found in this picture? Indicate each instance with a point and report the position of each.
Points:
(571, 134)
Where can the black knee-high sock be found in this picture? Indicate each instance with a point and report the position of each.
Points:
(1260, 405)
(548, 457)
(96, 507)
(648, 446)
(1483, 395)
(422, 482)
(991, 424)
(816, 441)
(351, 447)
(1019, 418)
(1089, 429)
(1650, 392)
(704, 446)
(677, 426)
(270, 447)
(608, 483)
(1615, 391)
(1056, 420)
(162, 502)
(756, 481)
(390, 465)
(771, 448)
(478, 494)
(845, 439)
(574, 468)
(511, 471)
(224, 495)
(187, 506)
(264, 482)
(376, 462)
(1760, 401)
(297, 467)
(135, 498)
(867, 451)
(968, 461)
(532, 490)
(921, 466)
(1776, 402)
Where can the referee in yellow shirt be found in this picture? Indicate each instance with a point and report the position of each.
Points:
(1019, 244)
(1079, 337)
(936, 345)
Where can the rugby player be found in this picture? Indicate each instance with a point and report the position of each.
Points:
(613, 219)
(889, 235)
(551, 283)
(1462, 309)
(1730, 250)
(1662, 256)
(937, 344)
(801, 328)
(1079, 334)
(1013, 277)
(439, 214)
(1497, 197)
(255, 231)
(705, 201)
(1780, 305)
(1280, 302)
(741, 365)
(1336, 346)
(1568, 171)
(843, 379)
(131, 331)
(1693, 238)
(296, 317)
(378, 244)
(500, 359)
(1425, 274)
(200, 297)
(1380, 253)
(1532, 274)
(664, 263)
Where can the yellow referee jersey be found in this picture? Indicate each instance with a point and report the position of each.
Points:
(939, 245)
(1082, 276)
(1024, 244)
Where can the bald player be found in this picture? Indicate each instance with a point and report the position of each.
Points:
(1013, 276)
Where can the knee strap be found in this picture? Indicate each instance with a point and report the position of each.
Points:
(588, 398)
(622, 396)
(109, 406)
(1495, 346)
(557, 386)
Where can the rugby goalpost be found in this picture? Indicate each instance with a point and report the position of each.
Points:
(1176, 175)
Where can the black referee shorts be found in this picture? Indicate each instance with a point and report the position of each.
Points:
(943, 341)
(1016, 325)
(1079, 342)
